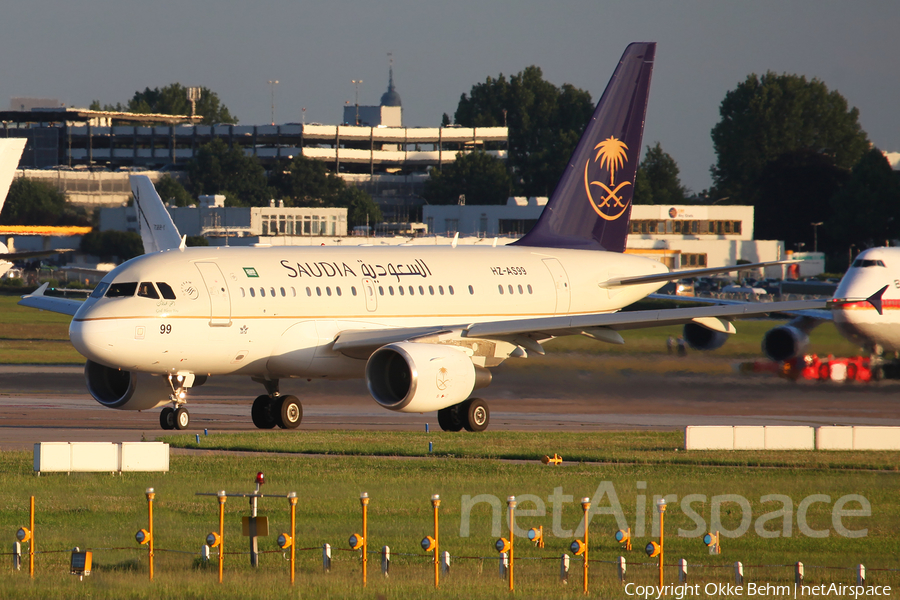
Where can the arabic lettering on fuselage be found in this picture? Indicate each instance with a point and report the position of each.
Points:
(374, 271)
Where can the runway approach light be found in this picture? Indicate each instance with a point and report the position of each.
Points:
(652, 549)
(284, 541)
(428, 543)
(536, 535)
(623, 536)
(577, 547)
(142, 537)
(260, 478)
(356, 541)
(502, 545)
(213, 540)
(23, 534)
(712, 540)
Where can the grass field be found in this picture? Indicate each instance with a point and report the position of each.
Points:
(102, 512)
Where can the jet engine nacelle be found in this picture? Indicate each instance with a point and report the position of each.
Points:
(784, 343)
(699, 337)
(411, 377)
(126, 390)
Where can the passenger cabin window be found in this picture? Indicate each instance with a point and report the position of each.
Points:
(166, 290)
(146, 290)
(121, 290)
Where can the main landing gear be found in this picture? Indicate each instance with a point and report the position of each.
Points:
(472, 414)
(274, 409)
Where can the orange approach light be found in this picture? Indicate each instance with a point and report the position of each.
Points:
(356, 541)
(652, 549)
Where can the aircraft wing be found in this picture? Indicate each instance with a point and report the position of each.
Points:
(14, 256)
(38, 300)
(686, 274)
(361, 343)
(821, 314)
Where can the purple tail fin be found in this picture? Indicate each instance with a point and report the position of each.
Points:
(591, 205)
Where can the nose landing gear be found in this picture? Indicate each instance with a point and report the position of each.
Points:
(177, 415)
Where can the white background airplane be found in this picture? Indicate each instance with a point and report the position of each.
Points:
(422, 325)
(871, 321)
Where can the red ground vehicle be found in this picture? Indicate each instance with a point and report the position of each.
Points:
(810, 366)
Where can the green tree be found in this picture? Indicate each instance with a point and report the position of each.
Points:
(866, 212)
(361, 209)
(766, 117)
(306, 182)
(544, 123)
(112, 245)
(33, 202)
(794, 190)
(657, 180)
(481, 177)
(219, 169)
(171, 191)
(173, 100)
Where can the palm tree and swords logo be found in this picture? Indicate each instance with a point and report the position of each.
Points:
(612, 154)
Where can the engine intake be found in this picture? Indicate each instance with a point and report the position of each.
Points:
(125, 390)
(699, 337)
(411, 377)
(784, 343)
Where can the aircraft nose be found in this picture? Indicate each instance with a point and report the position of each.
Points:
(93, 339)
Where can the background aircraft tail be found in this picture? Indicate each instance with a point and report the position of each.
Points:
(591, 205)
(10, 153)
(158, 231)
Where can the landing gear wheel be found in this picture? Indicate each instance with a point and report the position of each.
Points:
(182, 418)
(289, 411)
(449, 419)
(261, 412)
(475, 414)
(167, 418)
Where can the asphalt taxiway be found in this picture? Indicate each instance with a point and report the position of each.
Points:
(51, 403)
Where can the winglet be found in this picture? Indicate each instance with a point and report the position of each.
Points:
(875, 299)
(38, 292)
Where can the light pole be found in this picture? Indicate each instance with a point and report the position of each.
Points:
(661, 507)
(850, 255)
(815, 227)
(151, 494)
(272, 84)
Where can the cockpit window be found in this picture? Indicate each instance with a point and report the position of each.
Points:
(859, 262)
(166, 290)
(146, 290)
(99, 290)
(121, 290)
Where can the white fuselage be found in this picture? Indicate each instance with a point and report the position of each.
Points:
(859, 321)
(274, 312)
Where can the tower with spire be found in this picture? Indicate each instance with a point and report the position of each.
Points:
(389, 113)
(391, 97)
